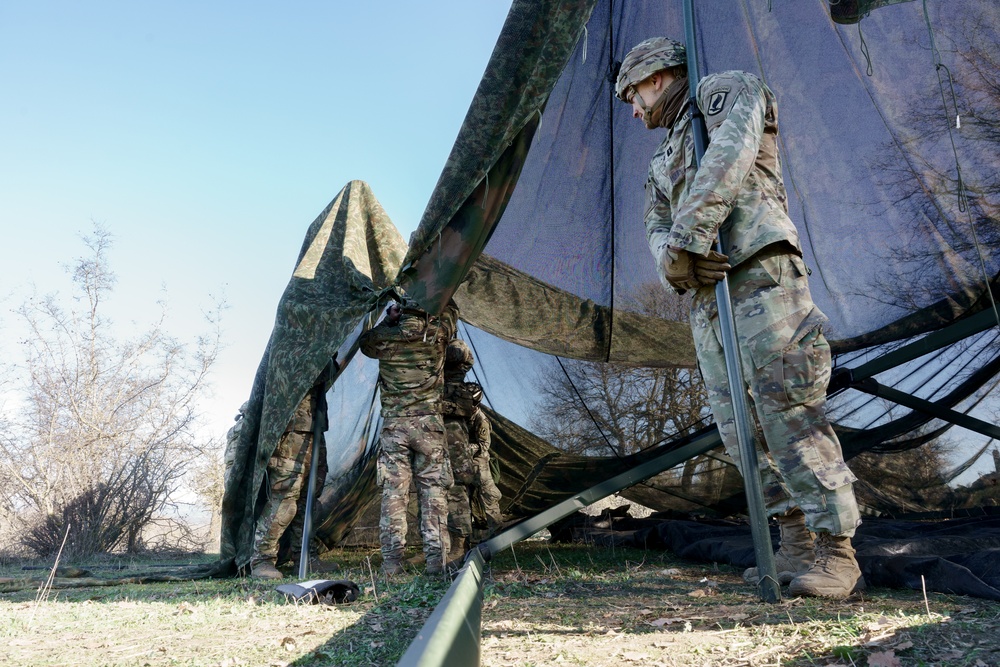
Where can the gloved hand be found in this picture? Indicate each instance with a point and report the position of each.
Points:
(711, 268)
(678, 268)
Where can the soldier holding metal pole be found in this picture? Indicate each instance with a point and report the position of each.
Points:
(737, 191)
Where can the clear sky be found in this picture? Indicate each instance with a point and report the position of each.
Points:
(206, 136)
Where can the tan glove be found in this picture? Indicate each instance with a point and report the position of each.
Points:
(711, 268)
(678, 268)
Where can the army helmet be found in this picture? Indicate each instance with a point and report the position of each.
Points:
(646, 59)
(458, 355)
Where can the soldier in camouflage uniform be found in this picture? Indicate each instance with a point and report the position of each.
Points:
(410, 346)
(287, 477)
(232, 440)
(738, 190)
(486, 495)
(468, 434)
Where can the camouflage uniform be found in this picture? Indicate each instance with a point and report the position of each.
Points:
(411, 360)
(486, 496)
(468, 433)
(232, 442)
(288, 476)
(739, 191)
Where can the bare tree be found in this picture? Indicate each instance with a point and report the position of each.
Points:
(106, 426)
(951, 194)
(910, 480)
(601, 409)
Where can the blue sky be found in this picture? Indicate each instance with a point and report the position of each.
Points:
(207, 136)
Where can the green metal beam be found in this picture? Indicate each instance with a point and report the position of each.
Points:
(873, 387)
(451, 634)
(960, 330)
(529, 527)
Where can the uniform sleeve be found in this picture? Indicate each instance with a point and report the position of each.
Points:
(658, 223)
(380, 340)
(734, 105)
(479, 432)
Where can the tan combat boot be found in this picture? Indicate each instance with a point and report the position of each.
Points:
(795, 551)
(459, 545)
(834, 574)
(392, 566)
(265, 569)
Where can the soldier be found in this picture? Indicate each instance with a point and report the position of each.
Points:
(232, 441)
(410, 345)
(784, 355)
(287, 477)
(468, 434)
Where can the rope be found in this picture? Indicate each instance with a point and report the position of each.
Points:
(864, 51)
(587, 408)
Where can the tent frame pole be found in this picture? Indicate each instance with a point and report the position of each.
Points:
(319, 428)
(768, 587)
(875, 388)
(936, 340)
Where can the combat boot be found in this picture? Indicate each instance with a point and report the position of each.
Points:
(459, 546)
(265, 569)
(835, 572)
(392, 566)
(795, 552)
(435, 564)
(317, 566)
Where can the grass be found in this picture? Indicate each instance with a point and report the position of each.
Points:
(543, 605)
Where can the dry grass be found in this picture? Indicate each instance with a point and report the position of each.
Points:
(544, 605)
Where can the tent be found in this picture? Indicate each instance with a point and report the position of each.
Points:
(890, 132)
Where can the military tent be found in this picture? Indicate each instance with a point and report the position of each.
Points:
(890, 120)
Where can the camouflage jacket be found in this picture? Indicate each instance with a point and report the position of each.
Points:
(461, 403)
(738, 189)
(411, 363)
(461, 398)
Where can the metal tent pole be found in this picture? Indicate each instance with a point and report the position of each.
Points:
(768, 587)
(319, 428)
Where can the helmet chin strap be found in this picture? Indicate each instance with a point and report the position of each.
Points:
(648, 111)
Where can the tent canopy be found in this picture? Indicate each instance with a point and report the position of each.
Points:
(890, 129)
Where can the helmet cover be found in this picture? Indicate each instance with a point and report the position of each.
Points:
(646, 59)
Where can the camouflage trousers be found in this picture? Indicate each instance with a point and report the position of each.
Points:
(413, 448)
(786, 366)
(486, 497)
(287, 477)
(463, 472)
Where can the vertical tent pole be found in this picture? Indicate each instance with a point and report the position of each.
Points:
(319, 428)
(768, 586)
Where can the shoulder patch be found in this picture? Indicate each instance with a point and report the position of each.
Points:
(717, 102)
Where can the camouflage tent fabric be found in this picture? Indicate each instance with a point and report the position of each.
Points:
(350, 254)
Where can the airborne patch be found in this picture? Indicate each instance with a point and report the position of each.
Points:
(717, 102)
